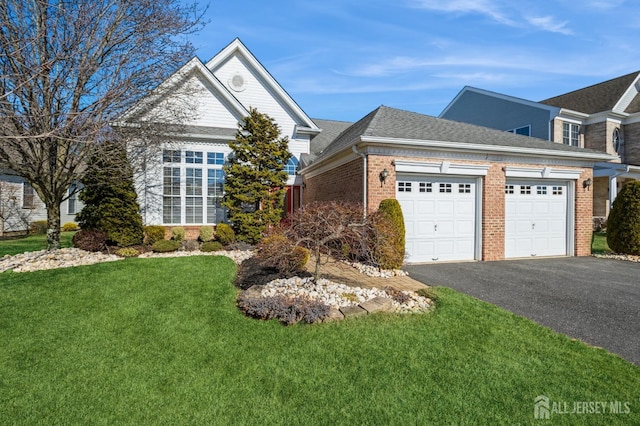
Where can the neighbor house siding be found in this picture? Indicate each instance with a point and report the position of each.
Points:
(498, 113)
(632, 143)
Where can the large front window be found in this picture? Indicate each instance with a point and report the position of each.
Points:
(193, 187)
(571, 134)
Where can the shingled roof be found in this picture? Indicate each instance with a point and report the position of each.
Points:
(597, 98)
(385, 122)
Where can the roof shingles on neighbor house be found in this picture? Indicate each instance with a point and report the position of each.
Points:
(599, 97)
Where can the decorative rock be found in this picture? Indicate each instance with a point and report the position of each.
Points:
(352, 311)
(378, 304)
(627, 257)
(374, 271)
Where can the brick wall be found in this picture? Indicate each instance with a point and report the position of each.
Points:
(595, 136)
(584, 215)
(376, 189)
(632, 143)
(344, 183)
(493, 217)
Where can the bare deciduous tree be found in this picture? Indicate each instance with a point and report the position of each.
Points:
(68, 69)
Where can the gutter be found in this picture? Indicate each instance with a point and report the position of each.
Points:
(364, 180)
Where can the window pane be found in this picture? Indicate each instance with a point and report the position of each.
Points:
(215, 158)
(171, 156)
(292, 166)
(193, 157)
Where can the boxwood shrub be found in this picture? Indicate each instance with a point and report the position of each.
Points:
(164, 246)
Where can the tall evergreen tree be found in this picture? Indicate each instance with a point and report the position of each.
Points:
(109, 196)
(255, 178)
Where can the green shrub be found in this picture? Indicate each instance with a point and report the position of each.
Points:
(38, 227)
(225, 234)
(210, 246)
(389, 245)
(278, 251)
(623, 225)
(69, 226)
(110, 199)
(154, 233)
(206, 233)
(190, 245)
(164, 246)
(89, 240)
(127, 252)
(177, 233)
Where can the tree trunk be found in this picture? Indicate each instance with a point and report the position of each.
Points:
(53, 226)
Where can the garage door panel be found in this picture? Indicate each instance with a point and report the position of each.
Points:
(440, 221)
(536, 219)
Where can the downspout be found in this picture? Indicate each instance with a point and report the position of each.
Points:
(364, 181)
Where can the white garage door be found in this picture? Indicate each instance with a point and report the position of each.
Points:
(440, 217)
(535, 218)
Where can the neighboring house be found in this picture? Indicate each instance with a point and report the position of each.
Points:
(20, 205)
(603, 117)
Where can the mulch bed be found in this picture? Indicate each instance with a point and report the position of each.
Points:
(252, 272)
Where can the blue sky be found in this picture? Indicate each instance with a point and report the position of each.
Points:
(342, 59)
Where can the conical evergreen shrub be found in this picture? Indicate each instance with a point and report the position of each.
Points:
(110, 199)
(623, 225)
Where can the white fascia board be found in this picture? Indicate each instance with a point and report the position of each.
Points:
(628, 96)
(482, 148)
(600, 117)
(443, 167)
(632, 118)
(304, 130)
(237, 46)
(541, 173)
(571, 115)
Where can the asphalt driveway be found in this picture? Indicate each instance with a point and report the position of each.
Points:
(594, 300)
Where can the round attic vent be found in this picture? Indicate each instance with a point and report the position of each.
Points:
(237, 83)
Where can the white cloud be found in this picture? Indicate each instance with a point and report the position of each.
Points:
(548, 23)
(482, 7)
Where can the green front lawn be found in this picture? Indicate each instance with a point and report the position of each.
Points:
(599, 243)
(160, 341)
(18, 245)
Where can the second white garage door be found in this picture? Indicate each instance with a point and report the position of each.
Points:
(440, 217)
(535, 218)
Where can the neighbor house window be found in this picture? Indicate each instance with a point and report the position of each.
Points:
(28, 196)
(570, 134)
(524, 130)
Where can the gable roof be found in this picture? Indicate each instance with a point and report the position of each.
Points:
(194, 65)
(390, 125)
(236, 47)
(597, 98)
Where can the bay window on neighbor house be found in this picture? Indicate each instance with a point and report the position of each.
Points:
(571, 134)
(187, 197)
